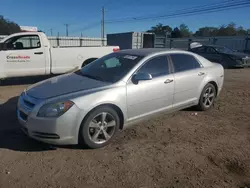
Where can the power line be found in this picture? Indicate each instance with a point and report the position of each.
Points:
(196, 10)
(191, 11)
(87, 27)
(181, 10)
(180, 13)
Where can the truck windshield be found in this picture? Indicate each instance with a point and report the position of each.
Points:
(110, 68)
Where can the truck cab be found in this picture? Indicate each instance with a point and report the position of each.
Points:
(30, 54)
(24, 54)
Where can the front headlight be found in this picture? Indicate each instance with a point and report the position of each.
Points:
(55, 109)
(239, 61)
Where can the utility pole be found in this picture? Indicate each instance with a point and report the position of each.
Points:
(102, 27)
(67, 29)
(57, 39)
(51, 33)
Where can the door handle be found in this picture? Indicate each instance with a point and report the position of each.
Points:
(38, 53)
(201, 73)
(168, 81)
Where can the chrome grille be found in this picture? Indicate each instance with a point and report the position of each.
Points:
(26, 105)
(246, 61)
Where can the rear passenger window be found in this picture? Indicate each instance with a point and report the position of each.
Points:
(183, 62)
(157, 66)
(199, 49)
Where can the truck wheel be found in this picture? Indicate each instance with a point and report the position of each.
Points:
(99, 127)
(207, 97)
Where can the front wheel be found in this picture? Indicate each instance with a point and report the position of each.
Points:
(99, 127)
(207, 97)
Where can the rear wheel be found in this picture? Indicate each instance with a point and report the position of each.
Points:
(100, 127)
(207, 97)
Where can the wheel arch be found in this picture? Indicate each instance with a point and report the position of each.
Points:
(215, 85)
(114, 107)
(87, 61)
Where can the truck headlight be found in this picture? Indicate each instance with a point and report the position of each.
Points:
(55, 109)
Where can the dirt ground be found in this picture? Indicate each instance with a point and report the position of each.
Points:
(184, 149)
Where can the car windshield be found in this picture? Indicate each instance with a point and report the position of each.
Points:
(222, 49)
(110, 68)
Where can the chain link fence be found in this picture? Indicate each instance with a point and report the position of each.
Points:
(73, 41)
(239, 43)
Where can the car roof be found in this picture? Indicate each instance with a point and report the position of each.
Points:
(210, 45)
(148, 51)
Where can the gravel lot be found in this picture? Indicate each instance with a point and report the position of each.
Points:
(184, 149)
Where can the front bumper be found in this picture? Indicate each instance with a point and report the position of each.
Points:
(59, 131)
(245, 63)
(241, 65)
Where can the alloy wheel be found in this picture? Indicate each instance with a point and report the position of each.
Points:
(208, 97)
(101, 128)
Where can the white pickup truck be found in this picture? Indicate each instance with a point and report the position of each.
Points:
(30, 54)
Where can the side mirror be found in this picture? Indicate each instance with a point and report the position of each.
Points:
(141, 76)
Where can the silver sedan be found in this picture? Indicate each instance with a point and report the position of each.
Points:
(91, 105)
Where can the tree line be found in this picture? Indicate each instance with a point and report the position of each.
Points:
(8, 27)
(183, 31)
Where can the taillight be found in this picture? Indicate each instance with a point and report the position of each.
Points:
(116, 49)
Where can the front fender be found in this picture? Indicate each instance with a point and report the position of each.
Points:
(114, 96)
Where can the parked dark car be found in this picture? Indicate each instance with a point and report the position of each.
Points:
(220, 54)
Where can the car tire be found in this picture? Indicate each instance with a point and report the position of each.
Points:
(207, 97)
(95, 124)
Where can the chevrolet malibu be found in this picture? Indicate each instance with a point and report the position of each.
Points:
(91, 105)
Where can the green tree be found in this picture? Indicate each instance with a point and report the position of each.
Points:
(229, 30)
(176, 33)
(206, 32)
(8, 27)
(160, 29)
(241, 31)
(185, 31)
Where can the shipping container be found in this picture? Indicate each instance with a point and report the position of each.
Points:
(131, 40)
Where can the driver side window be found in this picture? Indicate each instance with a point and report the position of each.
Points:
(23, 42)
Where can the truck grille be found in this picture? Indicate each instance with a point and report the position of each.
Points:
(246, 61)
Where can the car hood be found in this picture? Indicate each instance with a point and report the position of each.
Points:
(61, 85)
(238, 54)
